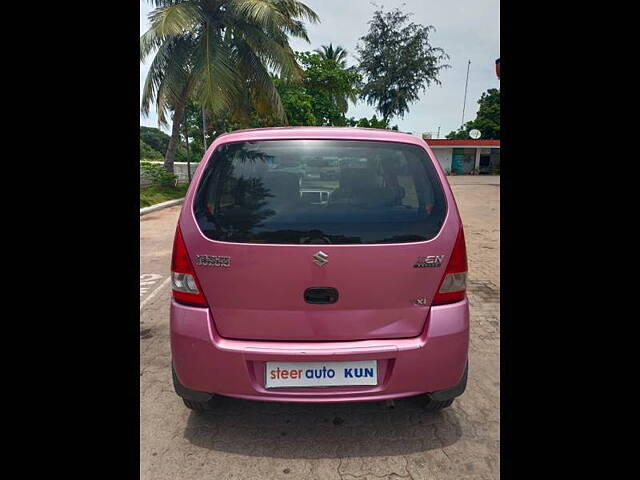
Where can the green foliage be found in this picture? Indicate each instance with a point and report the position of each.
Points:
(458, 135)
(372, 122)
(330, 85)
(157, 194)
(193, 156)
(322, 98)
(487, 119)
(155, 139)
(297, 103)
(397, 61)
(192, 125)
(148, 153)
(158, 175)
(216, 125)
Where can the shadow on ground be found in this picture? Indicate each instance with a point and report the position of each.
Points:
(281, 430)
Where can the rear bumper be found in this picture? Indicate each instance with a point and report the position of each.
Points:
(434, 362)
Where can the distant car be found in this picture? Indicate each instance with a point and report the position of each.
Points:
(289, 293)
(316, 197)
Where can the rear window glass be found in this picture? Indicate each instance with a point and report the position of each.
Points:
(320, 192)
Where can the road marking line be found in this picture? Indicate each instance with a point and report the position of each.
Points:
(149, 279)
(155, 292)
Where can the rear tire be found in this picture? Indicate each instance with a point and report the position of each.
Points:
(197, 406)
(435, 405)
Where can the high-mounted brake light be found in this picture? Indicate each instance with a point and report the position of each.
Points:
(186, 288)
(454, 284)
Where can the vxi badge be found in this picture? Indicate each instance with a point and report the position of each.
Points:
(430, 261)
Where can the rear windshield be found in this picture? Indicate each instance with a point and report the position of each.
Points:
(320, 192)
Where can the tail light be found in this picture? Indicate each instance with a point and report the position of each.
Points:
(186, 288)
(454, 284)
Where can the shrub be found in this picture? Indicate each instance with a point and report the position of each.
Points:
(158, 175)
(183, 156)
(148, 153)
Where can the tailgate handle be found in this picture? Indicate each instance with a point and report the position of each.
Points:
(320, 295)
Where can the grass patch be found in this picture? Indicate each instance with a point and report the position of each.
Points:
(155, 194)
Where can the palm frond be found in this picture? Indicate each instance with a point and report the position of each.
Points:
(338, 54)
(168, 21)
(266, 97)
(165, 3)
(168, 74)
(274, 52)
(217, 82)
(297, 29)
(154, 77)
(149, 41)
(175, 19)
(297, 9)
(275, 15)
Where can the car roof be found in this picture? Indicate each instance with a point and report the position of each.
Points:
(345, 133)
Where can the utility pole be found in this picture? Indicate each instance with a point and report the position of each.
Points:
(438, 132)
(204, 131)
(186, 138)
(465, 95)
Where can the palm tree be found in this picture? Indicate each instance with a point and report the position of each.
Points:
(338, 54)
(220, 52)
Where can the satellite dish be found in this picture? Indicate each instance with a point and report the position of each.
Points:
(475, 133)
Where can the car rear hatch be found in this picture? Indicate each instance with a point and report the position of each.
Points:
(274, 264)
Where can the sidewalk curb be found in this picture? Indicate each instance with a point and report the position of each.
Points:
(160, 206)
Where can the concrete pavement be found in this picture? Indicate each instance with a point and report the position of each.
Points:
(243, 439)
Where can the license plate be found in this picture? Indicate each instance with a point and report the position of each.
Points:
(320, 374)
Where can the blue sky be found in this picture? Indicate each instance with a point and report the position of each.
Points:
(465, 29)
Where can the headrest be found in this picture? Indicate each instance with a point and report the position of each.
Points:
(358, 179)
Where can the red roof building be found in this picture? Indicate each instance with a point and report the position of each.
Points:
(464, 157)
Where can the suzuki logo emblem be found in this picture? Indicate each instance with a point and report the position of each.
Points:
(320, 258)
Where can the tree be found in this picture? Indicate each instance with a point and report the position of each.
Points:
(339, 54)
(487, 119)
(192, 125)
(397, 61)
(298, 104)
(149, 154)
(220, 53)
(322, 99)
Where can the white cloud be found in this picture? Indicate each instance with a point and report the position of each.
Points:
(465, 29)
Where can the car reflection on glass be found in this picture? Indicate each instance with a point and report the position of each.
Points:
(315, 197)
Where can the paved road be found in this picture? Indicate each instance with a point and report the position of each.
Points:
(244, 439)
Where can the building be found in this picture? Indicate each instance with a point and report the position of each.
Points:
(462, 157)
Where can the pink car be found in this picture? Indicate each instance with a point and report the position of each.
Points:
(294, 284)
